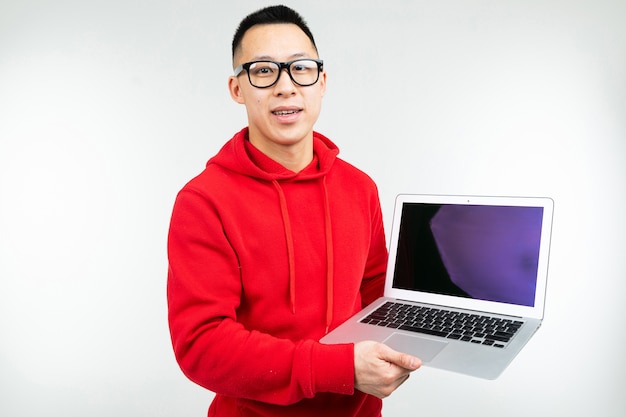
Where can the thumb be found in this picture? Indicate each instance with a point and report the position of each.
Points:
(401, 359)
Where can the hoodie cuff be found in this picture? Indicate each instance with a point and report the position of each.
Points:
(333, 368)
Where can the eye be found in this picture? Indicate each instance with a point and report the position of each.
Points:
(302, 66)
(262, 69)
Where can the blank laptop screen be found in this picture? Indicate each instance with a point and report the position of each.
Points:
(482, 252)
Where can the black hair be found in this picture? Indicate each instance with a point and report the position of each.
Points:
(270, 15)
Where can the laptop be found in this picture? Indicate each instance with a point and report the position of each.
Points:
(466, 282)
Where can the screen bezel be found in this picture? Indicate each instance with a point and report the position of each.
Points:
(535, 311)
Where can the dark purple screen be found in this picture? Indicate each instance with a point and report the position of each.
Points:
(481, 252)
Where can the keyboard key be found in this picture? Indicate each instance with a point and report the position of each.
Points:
(497, 338)
(423, 330)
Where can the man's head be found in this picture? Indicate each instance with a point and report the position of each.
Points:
(267, 16)
(279, 78)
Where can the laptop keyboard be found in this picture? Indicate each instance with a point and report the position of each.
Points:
(467, 327)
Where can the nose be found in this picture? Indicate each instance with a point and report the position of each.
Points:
(284, 85)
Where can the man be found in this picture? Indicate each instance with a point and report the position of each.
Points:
(275, 243)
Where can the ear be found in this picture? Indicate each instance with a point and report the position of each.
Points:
(322, 82)
(235, 89)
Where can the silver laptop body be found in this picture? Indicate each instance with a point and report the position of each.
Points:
(475, 267)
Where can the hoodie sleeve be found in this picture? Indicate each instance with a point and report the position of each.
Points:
(216, 351)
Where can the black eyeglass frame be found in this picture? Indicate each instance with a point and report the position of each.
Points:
(281, 66)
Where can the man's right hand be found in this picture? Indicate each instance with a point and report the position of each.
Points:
(379, 370)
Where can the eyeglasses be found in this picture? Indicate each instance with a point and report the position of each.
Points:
(264, 74)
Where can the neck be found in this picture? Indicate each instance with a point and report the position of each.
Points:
(294, 156)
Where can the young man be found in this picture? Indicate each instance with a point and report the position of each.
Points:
(275, 243)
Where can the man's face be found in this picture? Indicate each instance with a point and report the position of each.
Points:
(283, 114)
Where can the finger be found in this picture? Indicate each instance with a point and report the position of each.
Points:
(390, 389)
(402, 360)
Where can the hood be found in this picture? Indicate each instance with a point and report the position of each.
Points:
(240, 156)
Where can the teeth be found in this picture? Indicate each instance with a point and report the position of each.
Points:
(285, 112)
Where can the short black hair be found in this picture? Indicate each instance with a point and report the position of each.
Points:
(270, 15)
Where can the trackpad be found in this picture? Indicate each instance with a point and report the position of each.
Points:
(425, 349)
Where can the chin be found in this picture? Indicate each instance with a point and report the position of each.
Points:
(293, 136)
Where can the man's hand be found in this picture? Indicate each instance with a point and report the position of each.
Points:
(379, 370)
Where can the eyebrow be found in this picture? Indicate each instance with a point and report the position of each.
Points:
(270, 58)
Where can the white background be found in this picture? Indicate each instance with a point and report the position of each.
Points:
(108, 107)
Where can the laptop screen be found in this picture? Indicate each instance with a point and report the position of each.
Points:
(480, 252)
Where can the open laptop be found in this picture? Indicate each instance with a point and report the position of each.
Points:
(465, 284)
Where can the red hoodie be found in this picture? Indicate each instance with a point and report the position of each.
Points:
(262, 263)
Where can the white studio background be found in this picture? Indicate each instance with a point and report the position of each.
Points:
(108, 107)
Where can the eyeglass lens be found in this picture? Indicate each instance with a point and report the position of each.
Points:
(304, 72)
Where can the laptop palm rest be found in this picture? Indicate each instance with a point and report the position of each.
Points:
(425, 349)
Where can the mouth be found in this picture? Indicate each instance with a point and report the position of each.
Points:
(286, 112)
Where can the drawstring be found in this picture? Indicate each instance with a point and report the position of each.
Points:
(291, 258)
(290, 252)
(329, 259)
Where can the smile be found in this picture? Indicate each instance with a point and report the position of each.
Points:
(285, 112)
